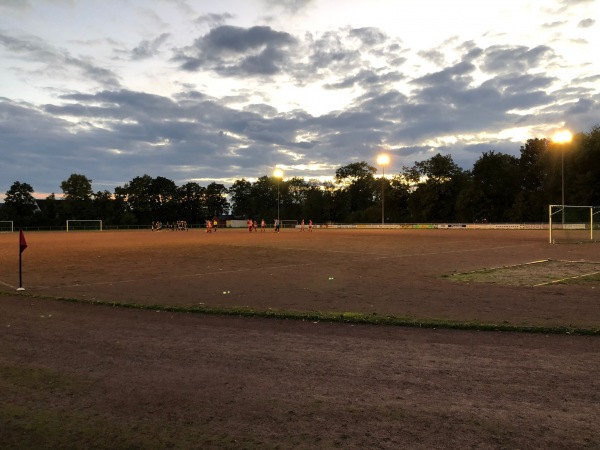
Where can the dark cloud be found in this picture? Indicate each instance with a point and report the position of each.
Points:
(147, 49)
(503, 59)
(369, 36)
(236, 51)
(57, 61)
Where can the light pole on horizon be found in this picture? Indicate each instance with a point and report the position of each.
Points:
(383, 160)
(561, 138)
(278, 173)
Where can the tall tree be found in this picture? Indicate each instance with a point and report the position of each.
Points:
(77, 197)
(19, 204)
(357, 193)
(77, 188)
(494, 186)
(582, 171)
(216, 199)
(538, 172)
(439, 183)
(241, 197)
(191, 205)
(137, 197)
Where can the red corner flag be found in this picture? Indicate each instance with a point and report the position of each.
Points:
(22, 241)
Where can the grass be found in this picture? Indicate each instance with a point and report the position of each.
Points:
(536, 273)
(339, 317)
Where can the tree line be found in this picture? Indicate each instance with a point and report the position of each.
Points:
(498, 188)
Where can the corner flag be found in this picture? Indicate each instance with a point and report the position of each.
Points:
(22, 241)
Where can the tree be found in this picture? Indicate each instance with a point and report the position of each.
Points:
(582, 169)
(136, 195)
(494, 186)
(162, 199)
(216, 199)
(77, 198)
(50, 211)
(77, 188)
(538, 171)
(19, 204)
(191, 205)
(241, 197)
(356, 193)
(439, 183)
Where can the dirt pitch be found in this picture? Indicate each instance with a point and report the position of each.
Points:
(75, 375)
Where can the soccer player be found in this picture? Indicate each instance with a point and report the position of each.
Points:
(249, 223)
(310, 226)
(302, 225)
(262, 226)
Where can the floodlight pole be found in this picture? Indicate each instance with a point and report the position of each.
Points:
(561, 138)
(562, 178)
(383, 159)
(382, 195)
(278, 173)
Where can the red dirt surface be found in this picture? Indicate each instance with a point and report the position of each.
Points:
(193, 381)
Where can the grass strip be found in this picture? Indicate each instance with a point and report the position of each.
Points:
(334, 317)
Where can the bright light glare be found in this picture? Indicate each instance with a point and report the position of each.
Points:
(383, 160)
(278, 173)
(561, 137)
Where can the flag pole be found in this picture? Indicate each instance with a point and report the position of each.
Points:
(22, 247)
(21, 288)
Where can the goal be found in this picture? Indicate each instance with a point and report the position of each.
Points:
(6, 226)
(84, 225)
(569, 223)
(289, 223)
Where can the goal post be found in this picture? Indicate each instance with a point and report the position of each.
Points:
(571, 223)
(84, 225)
(6, 226)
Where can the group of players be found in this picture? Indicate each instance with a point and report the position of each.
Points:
(213, 224)
(180, 225)
(253, 226)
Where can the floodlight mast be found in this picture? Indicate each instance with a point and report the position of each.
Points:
(383, 160)
(561, 138)
(278, 173)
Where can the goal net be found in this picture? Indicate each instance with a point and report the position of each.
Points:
(6, 226)
(84, 225)
(568, 223)
(289, 223)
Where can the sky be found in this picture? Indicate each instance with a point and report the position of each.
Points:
(216, 91)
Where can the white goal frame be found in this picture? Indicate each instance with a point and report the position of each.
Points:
(588, 220)
(12, 227)
(289, 223)
(79, 221)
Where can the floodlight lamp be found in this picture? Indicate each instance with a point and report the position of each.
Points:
(278, 173)
(383, 160)
(562, 137)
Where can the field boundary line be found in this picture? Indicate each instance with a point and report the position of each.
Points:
(8, 285)
(567, 278)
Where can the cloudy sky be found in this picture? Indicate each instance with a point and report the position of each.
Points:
(207, 90)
